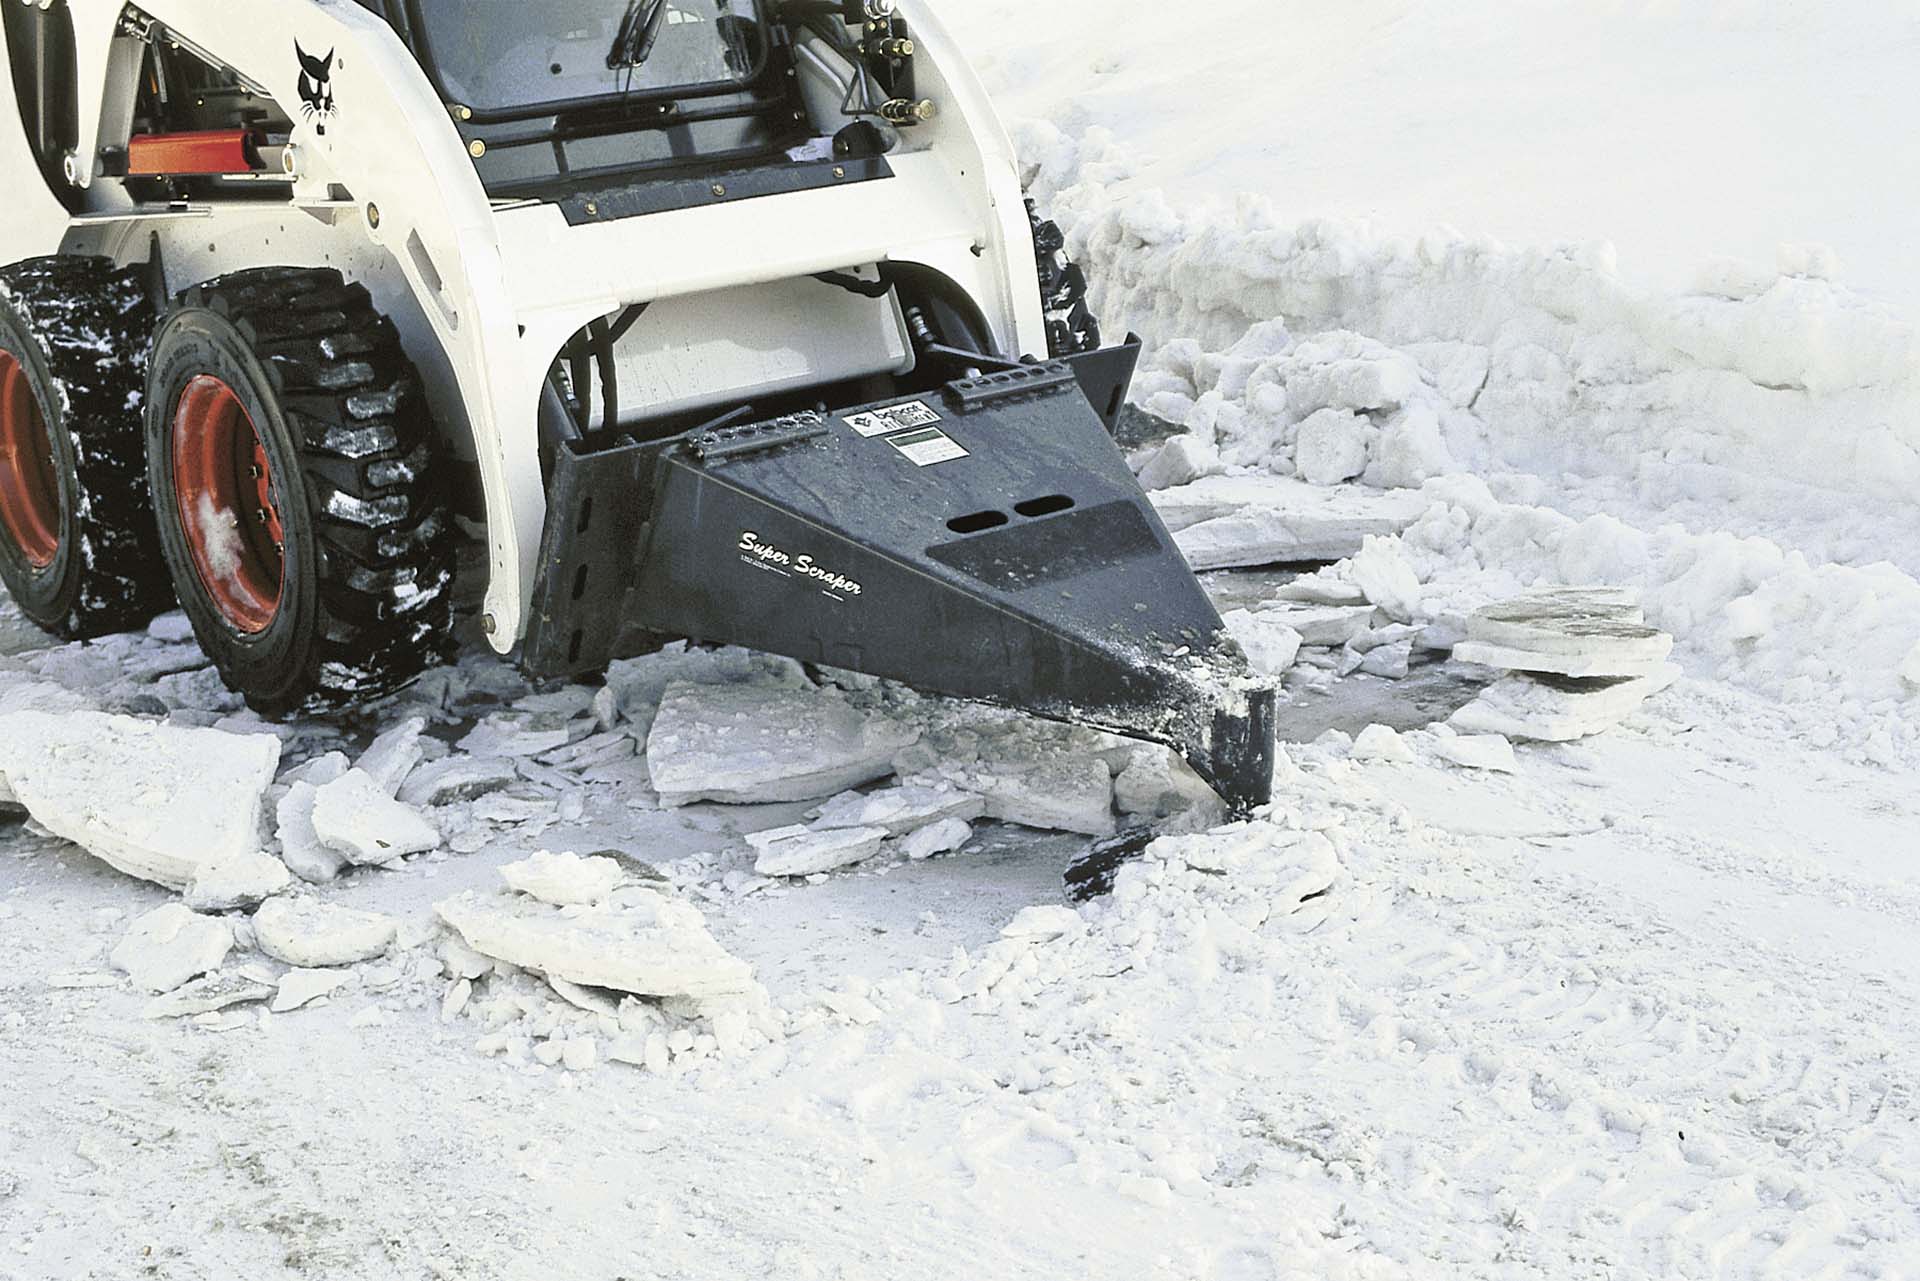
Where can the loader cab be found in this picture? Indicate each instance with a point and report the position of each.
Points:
(566, 94)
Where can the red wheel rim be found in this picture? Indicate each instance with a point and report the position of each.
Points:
(223, 484)
(29, 489)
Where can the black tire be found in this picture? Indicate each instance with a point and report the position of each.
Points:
(74, 333)
(1071, 328)
(363, 558)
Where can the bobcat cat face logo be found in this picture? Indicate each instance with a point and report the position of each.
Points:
(316, 87)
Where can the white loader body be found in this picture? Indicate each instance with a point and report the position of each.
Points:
(380, 184)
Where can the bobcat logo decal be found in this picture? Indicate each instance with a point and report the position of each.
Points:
(316, 88)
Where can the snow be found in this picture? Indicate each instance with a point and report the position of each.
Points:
(154, 801)
(1459, 1004)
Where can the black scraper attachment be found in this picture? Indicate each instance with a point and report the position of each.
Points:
(985, 541)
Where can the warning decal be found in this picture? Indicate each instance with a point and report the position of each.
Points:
(925, 448)
(879, 422)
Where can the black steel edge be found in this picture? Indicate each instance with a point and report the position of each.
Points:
(664, 195)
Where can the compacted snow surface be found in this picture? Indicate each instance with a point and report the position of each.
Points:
(728, 968)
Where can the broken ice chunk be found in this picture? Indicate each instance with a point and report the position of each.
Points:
(1558, 709)
(237, 882)
(900, 809)
(1381, 743)
(457, 778)
(1270, 645)
(300, 846)
(743, 744)
(515, 734)
(1390, 661)
(301, 987)
(318, 771)
(1157, 785)
(1180, 461)
(1326, 625)
(354, 816)
(564, 880)
(1479, 751)
(944, 837)
(1054, 793)
(308, 933)
(1234, 522)
(170, 945)
(1599, 661)
(1382, 574)
(392, 756)
(1331, 446)
(803, 851)
(207, 995)
(648, 945)
(155, 801)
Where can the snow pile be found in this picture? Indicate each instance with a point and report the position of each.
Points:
(1499, 380)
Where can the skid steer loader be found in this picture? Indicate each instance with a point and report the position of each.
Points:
(720, 319)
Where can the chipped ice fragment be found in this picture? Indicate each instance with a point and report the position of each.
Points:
(803, 851)
(301, 849)
(155, 801)
(393, 755)
(310, 934)
(1479, 751)
(900, 809)
(1157, 785)
(302, 987)
(1600, 661)
(1331, 447)
(1558, 709)
(515, 734)
(1382, 574)
(1270, 645)
(649, 945)
(242, 881)
(208, 994)
(943, 837)
(745, 744)
(319, 771)
(1180, 461)
(1596, 624)
(1053, 793)
(457, 778)
(564, 880)
(1324, 625)
(1381, 743)
(356, 817)
(1389, 661)
(170, 945)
